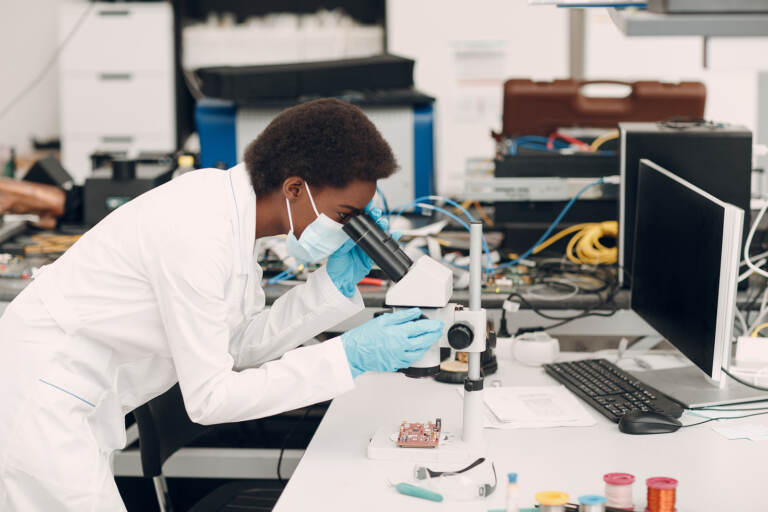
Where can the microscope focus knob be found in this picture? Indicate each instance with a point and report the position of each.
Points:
(460, 336)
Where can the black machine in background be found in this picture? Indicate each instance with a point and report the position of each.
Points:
(715, 157)
(110, 187)
(524, 221)
(49, 171)
(303, 79)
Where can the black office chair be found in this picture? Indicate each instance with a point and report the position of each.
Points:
(164, 427)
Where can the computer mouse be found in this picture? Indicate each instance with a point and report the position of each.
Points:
(638, 422)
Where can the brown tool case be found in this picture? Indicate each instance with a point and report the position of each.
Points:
(540, 108)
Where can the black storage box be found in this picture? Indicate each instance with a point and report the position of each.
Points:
(254, 83)
(537, 164)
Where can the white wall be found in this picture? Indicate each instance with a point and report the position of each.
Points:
(730, 77)
(533, 42)
(28, 39)
(536, 46)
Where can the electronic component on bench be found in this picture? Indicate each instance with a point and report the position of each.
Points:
(419, 435)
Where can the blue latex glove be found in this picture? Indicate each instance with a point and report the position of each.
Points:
(349, 264)
(390, 341)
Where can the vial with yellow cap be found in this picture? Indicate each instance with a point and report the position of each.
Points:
(552, 501)
(185, 163)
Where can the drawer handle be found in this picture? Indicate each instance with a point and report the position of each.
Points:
(117, 139)
(115, 13)
(115, 76)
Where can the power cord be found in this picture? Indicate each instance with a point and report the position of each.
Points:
(748, 243)
(751, 302)
(715, 408)
(726, 418)
(590, 311)
(611, 286)
(764, 410)
(571, 289)
(742, 381)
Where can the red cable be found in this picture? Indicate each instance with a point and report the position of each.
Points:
(551, 140)
(567, 138)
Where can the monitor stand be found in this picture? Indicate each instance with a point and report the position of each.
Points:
(694, 389)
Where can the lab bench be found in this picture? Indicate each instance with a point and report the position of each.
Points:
(714, 473)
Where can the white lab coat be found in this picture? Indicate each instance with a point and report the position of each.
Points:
(165, 289)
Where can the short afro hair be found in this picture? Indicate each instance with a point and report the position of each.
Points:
(326, 142)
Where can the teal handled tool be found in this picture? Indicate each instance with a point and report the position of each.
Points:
(416, 491)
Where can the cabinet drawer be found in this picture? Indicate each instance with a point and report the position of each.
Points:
(122, 102)
(117, 37)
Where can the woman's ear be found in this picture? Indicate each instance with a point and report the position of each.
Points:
(293, 188)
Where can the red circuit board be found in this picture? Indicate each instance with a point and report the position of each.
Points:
(419, 435)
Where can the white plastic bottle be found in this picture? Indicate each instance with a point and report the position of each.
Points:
(513, 493)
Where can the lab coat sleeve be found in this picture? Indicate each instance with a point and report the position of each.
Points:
(189, 275)
(296, 317)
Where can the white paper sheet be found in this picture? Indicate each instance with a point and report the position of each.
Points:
(534, 407)
(751, 431)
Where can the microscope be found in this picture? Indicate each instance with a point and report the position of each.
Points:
(428, 284)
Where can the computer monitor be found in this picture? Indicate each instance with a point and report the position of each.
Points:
(713, 156)
(684, 274)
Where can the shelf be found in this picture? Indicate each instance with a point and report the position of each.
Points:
(642, 23)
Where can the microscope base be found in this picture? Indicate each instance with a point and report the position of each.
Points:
(384, 447)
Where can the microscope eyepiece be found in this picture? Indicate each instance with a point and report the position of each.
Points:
(379, 245)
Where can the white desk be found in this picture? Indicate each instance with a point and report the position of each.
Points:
(714, 474)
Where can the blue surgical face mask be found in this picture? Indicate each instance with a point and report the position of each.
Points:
(318, 240)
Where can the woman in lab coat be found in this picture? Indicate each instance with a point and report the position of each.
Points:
(167, 289)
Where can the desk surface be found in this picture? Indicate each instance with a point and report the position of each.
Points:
(714, 474)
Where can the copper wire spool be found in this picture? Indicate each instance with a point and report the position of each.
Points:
(661, 494)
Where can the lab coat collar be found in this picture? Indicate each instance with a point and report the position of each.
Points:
(244, 207)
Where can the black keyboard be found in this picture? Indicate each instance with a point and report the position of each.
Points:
(611, 390)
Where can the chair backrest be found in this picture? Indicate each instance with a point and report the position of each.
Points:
(164, 427)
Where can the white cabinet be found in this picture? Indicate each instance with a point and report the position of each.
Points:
(116, 81)
(114, 102)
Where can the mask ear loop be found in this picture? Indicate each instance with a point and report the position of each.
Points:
(311, 200)
(290, 217)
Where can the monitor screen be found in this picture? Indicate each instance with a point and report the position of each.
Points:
(676, 272)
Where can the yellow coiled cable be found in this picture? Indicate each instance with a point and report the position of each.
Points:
(585, 246)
